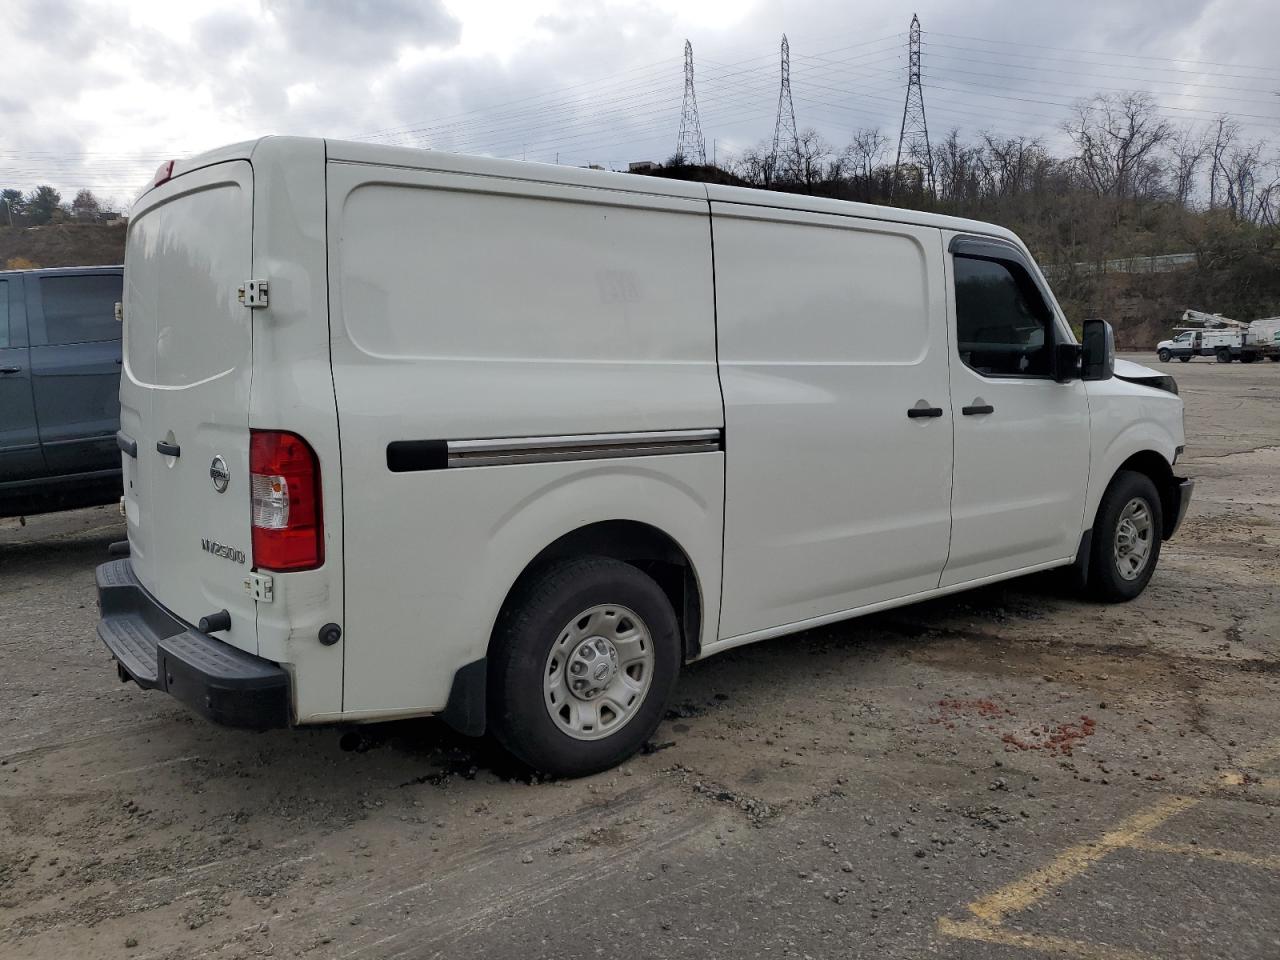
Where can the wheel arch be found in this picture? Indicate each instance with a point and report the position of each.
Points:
(1155, 466)
(643, 545)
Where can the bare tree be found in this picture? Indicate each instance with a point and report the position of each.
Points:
(866, 152)
(957, 169)
(1189, 148)
(1117, 137)
(809, 161)
(1008, 165)
(1248, 181)
(1225, 134)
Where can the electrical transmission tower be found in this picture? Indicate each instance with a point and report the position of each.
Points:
(690, 147)
(913, 140)
(786, 141)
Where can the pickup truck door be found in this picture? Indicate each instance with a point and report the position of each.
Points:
(75, 369)
(19, 441)
(1021, 438)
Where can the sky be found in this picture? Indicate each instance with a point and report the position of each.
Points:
(97, 93)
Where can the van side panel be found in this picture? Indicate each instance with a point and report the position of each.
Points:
(831, 329)
(293, 390)
(479, 307)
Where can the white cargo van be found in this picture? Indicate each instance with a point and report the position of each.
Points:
(410, 433)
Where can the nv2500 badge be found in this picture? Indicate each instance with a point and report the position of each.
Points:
(222, 550)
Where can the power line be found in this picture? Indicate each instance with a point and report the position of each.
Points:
(1103, 53)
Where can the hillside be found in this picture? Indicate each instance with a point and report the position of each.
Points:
(62, 245)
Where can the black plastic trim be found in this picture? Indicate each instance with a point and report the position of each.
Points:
(978, 411)
(408, 456)
(465, 711)
(915, 413)
(1083, 553)
(127, 444)
(1182, 497)
(168, 449)
(159, 650)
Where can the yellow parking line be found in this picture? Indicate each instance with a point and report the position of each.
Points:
(1044, 943)
(1073, 861)
(1208, 853)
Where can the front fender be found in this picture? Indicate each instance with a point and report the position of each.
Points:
(1114, 440)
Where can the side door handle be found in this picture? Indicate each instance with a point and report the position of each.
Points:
(916, 413)
(168, 449)
(10, 369)
(978, 410)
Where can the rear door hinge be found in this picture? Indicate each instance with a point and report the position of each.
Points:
(254, 294)
(259, 586)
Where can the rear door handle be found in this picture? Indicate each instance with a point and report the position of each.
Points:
(978, 410)
(127, 444)
(10, 369)
(916, 412)
(168, 449)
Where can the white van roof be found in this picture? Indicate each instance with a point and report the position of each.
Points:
(348, 151)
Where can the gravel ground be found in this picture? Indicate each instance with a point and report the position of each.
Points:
(1007, 773)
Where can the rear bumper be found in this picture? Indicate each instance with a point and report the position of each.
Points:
(1181, 500)
(159, 651)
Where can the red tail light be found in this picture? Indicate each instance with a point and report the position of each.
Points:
(284, 487)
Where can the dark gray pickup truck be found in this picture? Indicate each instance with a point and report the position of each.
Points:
(59, 388)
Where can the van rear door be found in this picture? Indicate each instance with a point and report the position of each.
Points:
(184, 395)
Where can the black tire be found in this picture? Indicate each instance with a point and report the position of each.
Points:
(1223, 355)
(531, 624)
(1184, 359)
(1274, 358)
(1164, 355)
(1248, 357)
(1106, 582)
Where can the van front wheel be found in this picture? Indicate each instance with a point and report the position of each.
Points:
(584, 662)
(1126, 538)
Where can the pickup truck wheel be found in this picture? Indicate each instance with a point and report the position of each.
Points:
(1164, 355)
(584, 661)
(1223, 355)
(1184, 359)
(1126, 538)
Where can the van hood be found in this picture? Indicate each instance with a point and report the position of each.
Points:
(1128, 370)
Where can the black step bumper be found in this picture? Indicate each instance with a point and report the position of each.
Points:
(158, 650)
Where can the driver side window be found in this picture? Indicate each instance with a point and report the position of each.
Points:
(1003, 325)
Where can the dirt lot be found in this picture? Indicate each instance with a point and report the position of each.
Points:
(1010, 773)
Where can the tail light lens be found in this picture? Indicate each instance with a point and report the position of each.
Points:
(284, 489)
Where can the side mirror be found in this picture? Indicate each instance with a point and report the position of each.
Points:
(1098, 352)
(1066, 362)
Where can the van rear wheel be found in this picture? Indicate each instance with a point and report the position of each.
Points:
(1126, 538)
(584, 661)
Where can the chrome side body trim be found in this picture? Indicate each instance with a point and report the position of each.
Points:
(596, 446)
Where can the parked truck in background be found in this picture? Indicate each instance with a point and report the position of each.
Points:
(59, 388)
(1224, 339)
